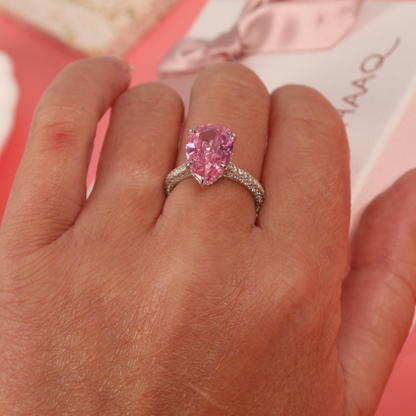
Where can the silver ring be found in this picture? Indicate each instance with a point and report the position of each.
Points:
(209, 149)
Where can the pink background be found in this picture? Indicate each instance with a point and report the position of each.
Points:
(38, 59)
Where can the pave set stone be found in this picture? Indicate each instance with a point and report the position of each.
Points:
(251, 184)
(209, 149)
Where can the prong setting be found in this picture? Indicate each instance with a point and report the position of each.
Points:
(209, 149)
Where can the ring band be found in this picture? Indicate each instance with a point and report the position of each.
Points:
(232, 172)
(209, 149)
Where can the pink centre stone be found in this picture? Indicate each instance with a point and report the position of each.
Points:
(208, 147)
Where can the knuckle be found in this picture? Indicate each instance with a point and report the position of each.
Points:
(310, 119)
(152, 97)
(317, 119)
(235, 79)
(58, 129)
(304, 105)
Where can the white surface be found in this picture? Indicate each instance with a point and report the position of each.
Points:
(332, 72)
(8, 98)
(94, 27)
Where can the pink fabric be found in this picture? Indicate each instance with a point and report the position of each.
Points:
(268, 26)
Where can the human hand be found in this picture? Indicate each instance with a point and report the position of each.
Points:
(130, 303)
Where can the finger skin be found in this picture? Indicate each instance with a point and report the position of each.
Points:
(231, 95)
(378, 299)
(50, 188)
(185, 321)
(139, 150)
(306, 179)
(189, 320)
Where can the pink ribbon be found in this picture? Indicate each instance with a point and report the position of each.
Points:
(267, 26)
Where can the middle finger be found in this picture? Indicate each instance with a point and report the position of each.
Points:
(231, 95)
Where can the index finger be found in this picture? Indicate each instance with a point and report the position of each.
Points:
(50, 186)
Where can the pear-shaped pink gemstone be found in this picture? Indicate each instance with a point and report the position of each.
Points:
(208, 147)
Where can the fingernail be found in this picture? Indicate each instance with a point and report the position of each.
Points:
(119, 62)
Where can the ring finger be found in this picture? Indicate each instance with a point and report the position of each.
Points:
(231, 95)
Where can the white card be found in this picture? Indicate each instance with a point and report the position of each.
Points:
(369, 76)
